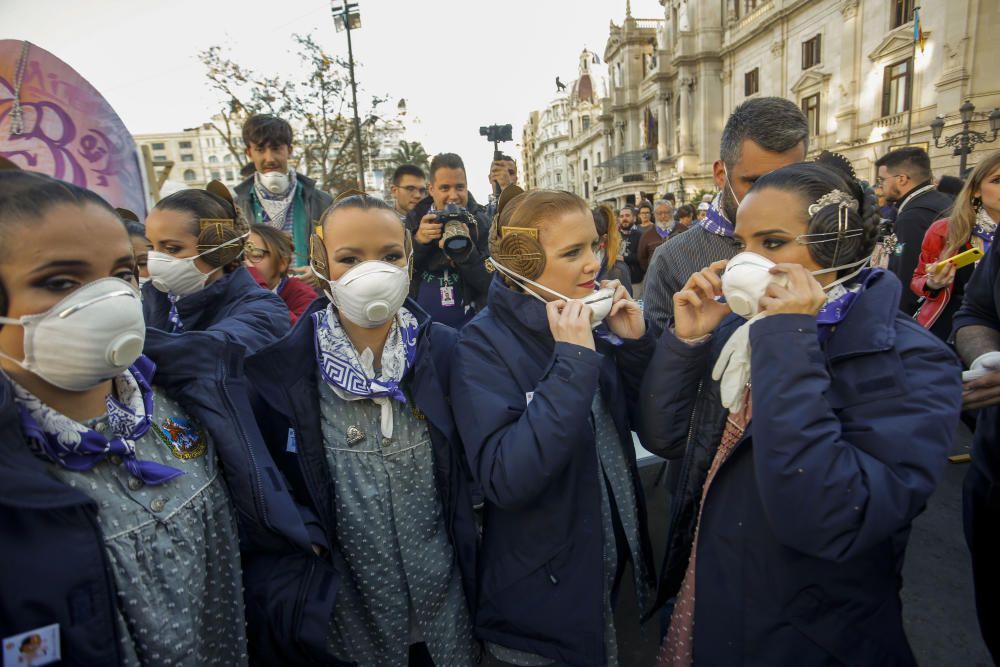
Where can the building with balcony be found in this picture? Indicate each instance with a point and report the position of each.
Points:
(589, 125)
(551, 135)
(851, 65)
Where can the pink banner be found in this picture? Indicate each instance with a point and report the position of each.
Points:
(68, 130)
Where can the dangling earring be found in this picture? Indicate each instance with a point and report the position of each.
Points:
(977, 203)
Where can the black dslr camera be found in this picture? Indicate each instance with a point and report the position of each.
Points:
(454, 234)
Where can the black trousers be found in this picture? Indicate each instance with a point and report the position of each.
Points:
(981, 514)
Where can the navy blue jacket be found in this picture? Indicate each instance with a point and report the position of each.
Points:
(522, 403)
(53, 567)
(981, 307)
(804, 530)
(233, 308)
(285, 379)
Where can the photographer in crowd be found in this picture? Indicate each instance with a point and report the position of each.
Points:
(450, 243)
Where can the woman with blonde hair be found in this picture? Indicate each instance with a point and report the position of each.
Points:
(544, 382)
(613, 266)
(972, 224)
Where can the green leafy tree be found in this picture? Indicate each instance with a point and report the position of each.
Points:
(317, 103)
(411, 152)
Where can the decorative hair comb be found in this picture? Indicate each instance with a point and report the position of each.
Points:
(527, 231)
(838, 197)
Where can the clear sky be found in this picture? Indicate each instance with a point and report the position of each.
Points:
(459, 64)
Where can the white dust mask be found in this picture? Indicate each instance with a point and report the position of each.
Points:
(746, 279)
(748, 274)
(600, 301)
(92, 335)
(274, 182)
(371, 293)
(179, 276)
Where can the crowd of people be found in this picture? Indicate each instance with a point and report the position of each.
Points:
(275, 427)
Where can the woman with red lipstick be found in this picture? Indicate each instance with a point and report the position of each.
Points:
(543, 382)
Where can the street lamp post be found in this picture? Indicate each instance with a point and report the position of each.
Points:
(964, 140)
(347, 17)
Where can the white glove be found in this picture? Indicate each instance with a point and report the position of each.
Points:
(733, 366)
(982, 365)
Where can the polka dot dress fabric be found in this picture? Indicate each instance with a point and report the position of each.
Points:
(400, 579)
(173, 548)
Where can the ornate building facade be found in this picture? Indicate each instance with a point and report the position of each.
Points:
(851, 65)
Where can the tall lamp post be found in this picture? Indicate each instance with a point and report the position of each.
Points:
(347, 17)
(965, 139)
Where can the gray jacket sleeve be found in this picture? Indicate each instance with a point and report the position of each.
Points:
(658, 297)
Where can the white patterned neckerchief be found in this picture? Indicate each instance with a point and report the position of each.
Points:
(984, 229)
(352, 375)
(72, 445)
(278, 208)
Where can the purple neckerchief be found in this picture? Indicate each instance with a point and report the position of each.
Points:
(340, 367)
(715, 220)
(836, 309)
(173, 316)
(664, 233)
(76, 447)
(604, 333)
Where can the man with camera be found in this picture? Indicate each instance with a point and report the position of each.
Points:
(450, 244)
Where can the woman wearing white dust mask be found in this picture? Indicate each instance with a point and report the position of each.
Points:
(544, 389)
(197, 278)
(357, 397)
(120, 539)
(813, 434)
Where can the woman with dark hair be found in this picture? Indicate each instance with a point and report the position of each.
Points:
(197, 278)
(121, 482)
(355, 404)
(814, 419)
(268, 259)
(972, 224)
(544, 384)
(613, 267)
(140, 247)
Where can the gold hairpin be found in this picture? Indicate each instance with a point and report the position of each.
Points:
(527, 231)
(351, 192)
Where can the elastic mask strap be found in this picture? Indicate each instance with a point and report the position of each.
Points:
(861, 264)
(729, 185)
(517, 278)
(219, 247)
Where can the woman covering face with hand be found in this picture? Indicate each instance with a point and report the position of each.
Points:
(354, 402)
(197, 278)
(814, 421)
(116, 523)
(543, 386)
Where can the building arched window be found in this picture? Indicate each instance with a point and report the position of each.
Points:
(213, 159)
(189, 175)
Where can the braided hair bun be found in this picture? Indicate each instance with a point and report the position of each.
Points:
(843, 220)
(218, 223)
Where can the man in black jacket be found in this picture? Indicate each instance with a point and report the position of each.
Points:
(450, 286)
(906, 179)
(275, 194)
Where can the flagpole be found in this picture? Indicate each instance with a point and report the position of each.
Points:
(912, 75)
